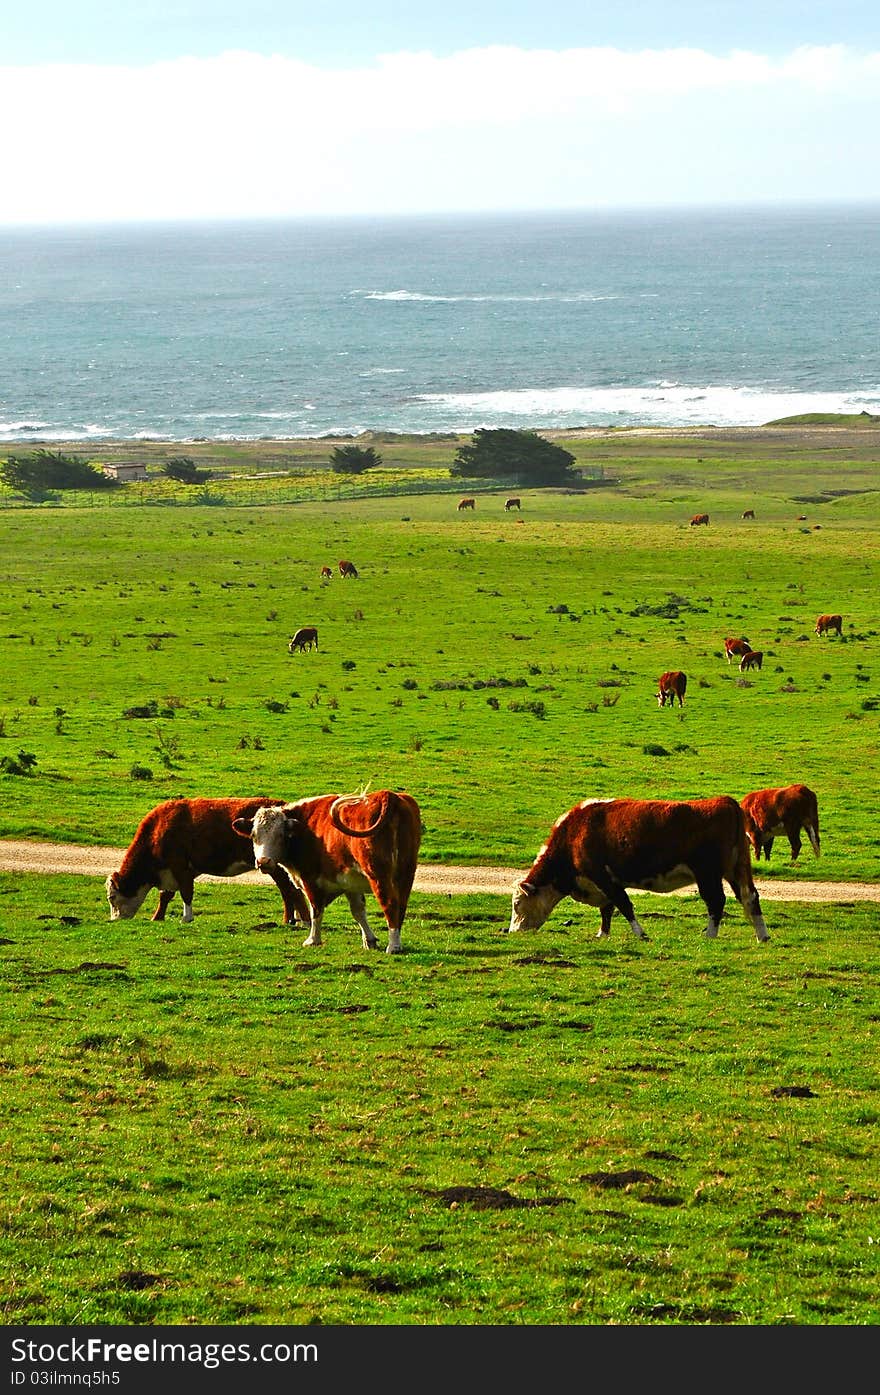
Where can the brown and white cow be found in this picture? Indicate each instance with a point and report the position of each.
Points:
(183, 839)
(748, 513)
(754, 658)
(342, 845)
(326, 573)
(772, 813)
(699, 518)
(672, 685)
(735, 648)
(512, 504)
(601, 847)
(347, 569)
(467, 504)
(828, 624)
(307, 636)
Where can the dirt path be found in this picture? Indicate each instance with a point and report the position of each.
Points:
(450, 881)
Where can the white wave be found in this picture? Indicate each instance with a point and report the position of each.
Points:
(557, 297)
(660, 404)
(379, 372)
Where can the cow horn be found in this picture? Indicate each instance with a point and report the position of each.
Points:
(336, 820)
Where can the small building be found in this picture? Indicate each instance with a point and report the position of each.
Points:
(126, 472)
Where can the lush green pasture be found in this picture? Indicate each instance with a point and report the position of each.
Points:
(207, 1123)
(498, 665)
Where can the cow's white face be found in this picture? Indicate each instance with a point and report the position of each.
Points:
(268, 835)
(531, 906)
(124, 907)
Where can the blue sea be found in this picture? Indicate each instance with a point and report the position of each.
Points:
(291, 329)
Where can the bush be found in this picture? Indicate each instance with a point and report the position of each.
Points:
(525, 456)
(22, 764)
(354, 460)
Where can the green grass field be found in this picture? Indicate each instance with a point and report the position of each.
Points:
(208, 1124)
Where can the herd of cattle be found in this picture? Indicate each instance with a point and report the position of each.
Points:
(673, 683)
(332, 845)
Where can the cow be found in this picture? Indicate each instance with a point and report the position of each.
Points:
(672, 685)
(601, 847)
(326, 573)
(828, 623)
(512, 504)
(735, 648)
(753, 659)
(347, 569)
(187, 838)
(748, 513)
(773, 812)
(467, 504)
(699, 518)
(306, 636)
(375, 848)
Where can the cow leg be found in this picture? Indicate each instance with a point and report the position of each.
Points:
(794, 838)
(768, 848)
(394, 904)
(751, 904)
(296, 907)
(617, 895)
(358, 903)
(316, 916)
(607, 913)
(165, 897)
(711, 888)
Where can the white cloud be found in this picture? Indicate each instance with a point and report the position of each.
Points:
(244, 134)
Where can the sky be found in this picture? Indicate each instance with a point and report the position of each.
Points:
(213, 109)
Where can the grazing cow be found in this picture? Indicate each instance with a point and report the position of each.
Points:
(188, 838)
(753, 659)
(672, 686)
(699, 518)
(307, 636)
(467, 504)
(347, 569)
(602, 846)
(826, 623)
(512, 504)
(748, 513)
(328, 857)
(326, 573)
(773, 812)
(735, 648)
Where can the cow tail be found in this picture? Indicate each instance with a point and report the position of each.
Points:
(384, 810)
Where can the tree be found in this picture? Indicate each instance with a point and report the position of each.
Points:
(183, 469)
(353, 460)
(33, 474)
(525, 456)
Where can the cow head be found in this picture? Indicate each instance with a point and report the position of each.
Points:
(531, 906)
(124, 907)
(274, 833)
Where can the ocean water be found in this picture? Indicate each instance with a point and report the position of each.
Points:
(277, 330)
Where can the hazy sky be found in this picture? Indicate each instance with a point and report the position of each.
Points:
(214, 108)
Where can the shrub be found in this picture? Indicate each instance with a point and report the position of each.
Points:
(22, 764)
(140, 772)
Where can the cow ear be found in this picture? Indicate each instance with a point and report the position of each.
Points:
(527, 888)
(243, 826)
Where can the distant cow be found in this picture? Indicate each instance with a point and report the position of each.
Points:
(600, 847)
(672, 685)
(188, 838)
(735, 648)
(326, 573)
(748, 513)
(467, 504)
(305, 637)
(374, 849)
(512, 504)
(753, 659)
(772, 813)
(347, 569)
(828, 623)
(699, 518)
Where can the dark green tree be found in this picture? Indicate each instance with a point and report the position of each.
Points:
(184, 470)
(353, 460)
(524, 456)
(45, 469)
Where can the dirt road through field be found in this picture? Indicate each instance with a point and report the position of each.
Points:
(430, 877)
